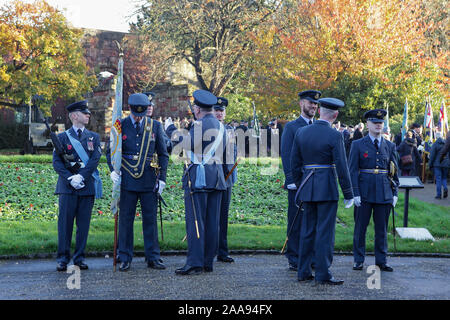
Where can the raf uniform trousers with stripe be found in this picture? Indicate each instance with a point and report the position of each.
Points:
(202, 250)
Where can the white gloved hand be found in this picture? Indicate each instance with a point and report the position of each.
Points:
(115, 177)
(167, 123)
(161, 186)
(76, 181)
(394, 201)
(420, 148)
(357, 201)
(348, 203)
(292, 186)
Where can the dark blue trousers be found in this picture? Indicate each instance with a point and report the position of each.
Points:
(380, 219)
(223, 222)
(202, 250)
(73, 208)
(294, 237)
(127, 213)
(317, 239)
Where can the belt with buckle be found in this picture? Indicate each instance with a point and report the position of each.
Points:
(319, 166)
(134, 157)
(374, 171)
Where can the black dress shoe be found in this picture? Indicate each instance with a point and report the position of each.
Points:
(208, 269)
(61, 266)
(358, 266)
(332, 281)
(385, 267)
(225, 259)
(82, 265)
(308, 278)
(445, 193)
(188, 270)
(125, 266)
(437, 197)
(293, 267)
(156, 264)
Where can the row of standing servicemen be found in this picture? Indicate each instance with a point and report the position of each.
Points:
(310, 164)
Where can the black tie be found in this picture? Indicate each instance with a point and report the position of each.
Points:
(310, 121)
(79, 134)
(376, 143)
(137, 127)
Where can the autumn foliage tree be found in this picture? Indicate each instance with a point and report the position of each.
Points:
(40, 55)
(318, 43)
(211, 35)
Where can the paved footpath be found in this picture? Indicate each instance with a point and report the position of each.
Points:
(251, 277)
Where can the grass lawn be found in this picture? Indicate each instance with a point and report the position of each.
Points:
(29, 209)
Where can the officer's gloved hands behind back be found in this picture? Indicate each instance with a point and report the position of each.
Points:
(357, 201)
(348, 203)
(161, 186)
(394, 201)
(115, 177)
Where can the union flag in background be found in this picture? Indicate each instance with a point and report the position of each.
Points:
(443, 120)
(428, 125)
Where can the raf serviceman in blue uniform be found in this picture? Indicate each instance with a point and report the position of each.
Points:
(317, 161)
(308, 105)
(203, 184)
(220, 114)
(143, 145)
(76, 188)
(373, 166)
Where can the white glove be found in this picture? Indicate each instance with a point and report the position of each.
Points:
(292, 186)
(115, 177)
(161, 186)
(420, 148)
(357, 201)
(394, 201)
(348, 203)
(76, 181)
(167, 123)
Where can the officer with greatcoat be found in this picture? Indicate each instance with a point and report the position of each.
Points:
(373, 167)
(220, 114)
(143, 150)
(76, 184)
(308, 106)
(318, 161)
(203, 184)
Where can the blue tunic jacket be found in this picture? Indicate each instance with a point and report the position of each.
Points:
(287, 139)
(134, 147)
(91, 144)
(373, 188)
(319, 144)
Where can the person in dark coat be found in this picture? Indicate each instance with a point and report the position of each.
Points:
(318, 162)
(76, 190)
(440, 169)
(142, 140)
(308, 103)
(446, 148)
(409, 147)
